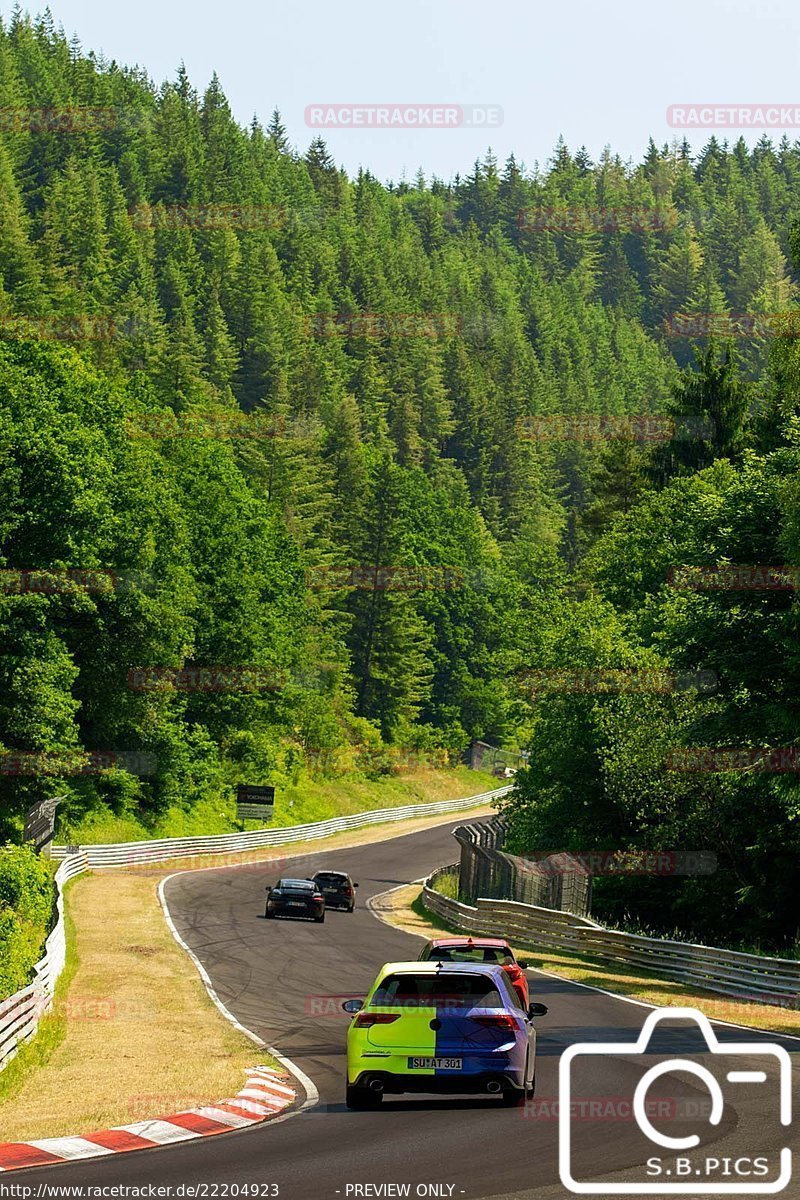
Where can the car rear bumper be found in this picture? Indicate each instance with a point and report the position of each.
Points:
(472, 1079)
(287, 910)
(449, 1083)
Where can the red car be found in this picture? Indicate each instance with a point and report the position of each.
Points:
(480, 950)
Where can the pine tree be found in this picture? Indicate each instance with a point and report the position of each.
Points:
(276, 132)
(710, 406)
(679, 274)
(617, 484)
(763, 283)
(19, 271)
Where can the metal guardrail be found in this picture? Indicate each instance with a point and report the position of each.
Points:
(123, 854)
(21, 1013)
(730, 972)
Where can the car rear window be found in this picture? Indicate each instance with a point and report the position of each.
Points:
(476, 954)
(457, 991)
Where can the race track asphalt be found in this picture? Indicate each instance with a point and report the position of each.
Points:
(278, 977)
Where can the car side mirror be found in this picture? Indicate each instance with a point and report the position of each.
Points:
(537, 1010)
(353, 1006)
(523, 964)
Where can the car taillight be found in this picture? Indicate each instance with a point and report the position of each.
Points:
(497, 1021)
(365, 1019)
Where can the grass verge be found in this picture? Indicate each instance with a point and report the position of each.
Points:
(52, 1027)
(310, 799)
(404, 908)
(133, 1033)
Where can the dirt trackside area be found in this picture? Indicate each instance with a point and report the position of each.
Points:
(134, 1018)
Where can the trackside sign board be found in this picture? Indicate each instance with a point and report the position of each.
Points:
(254, 803)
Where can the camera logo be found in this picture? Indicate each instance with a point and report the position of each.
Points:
(673, 1164)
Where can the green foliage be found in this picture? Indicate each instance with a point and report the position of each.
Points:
(603, 771)
(400, 443)
(27, 895)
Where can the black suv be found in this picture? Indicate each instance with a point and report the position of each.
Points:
(337, 888)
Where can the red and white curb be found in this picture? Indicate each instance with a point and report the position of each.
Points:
(265, 1094)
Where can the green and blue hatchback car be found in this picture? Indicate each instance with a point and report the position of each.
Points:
(441, 1027)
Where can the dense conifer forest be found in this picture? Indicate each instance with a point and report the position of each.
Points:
(423, 461)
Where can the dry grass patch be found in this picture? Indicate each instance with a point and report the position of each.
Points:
(404, 909)
(141, 1037)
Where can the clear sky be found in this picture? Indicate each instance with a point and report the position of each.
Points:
(597, 73)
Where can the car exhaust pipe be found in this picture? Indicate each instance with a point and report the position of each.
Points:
(494, 1086)
(376, 1085)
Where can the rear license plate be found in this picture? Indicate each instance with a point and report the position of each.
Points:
(434, 1064)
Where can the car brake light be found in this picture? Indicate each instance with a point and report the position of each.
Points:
(365, 1019)
(497, 1021)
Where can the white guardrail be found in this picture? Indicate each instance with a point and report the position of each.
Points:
(126, 853)
(751, 977)
(20, 1014)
